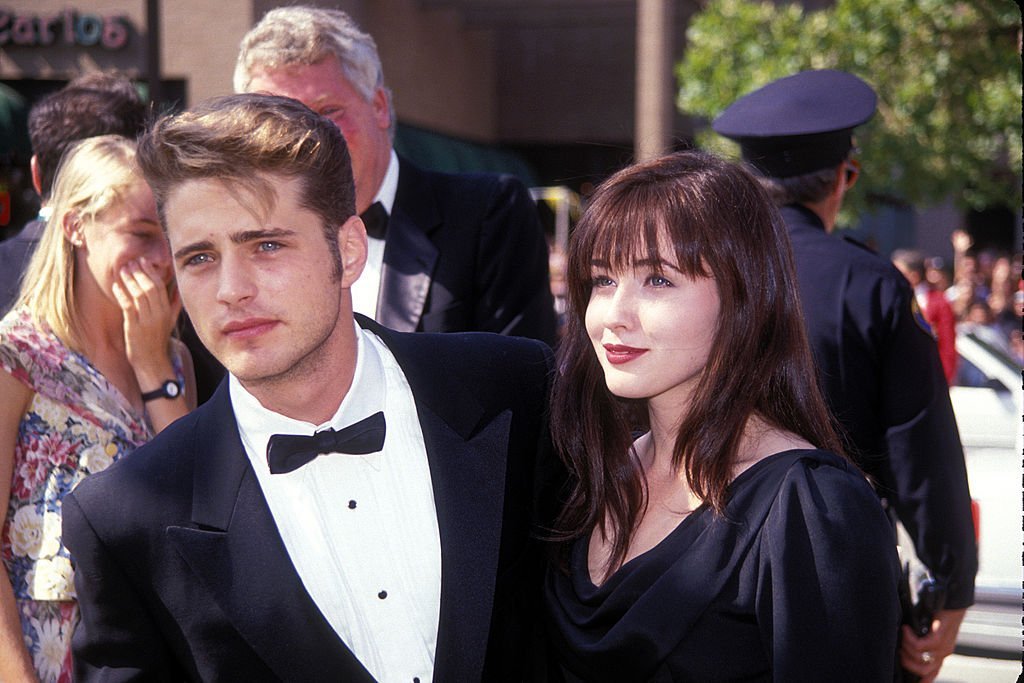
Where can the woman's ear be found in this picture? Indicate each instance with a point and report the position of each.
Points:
(72, 226)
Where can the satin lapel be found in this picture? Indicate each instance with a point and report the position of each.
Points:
(409, 255)
(237, 553)
(467, 450)
(468, 476)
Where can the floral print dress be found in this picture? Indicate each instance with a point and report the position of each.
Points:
(76, 424)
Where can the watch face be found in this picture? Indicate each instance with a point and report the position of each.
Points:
(171, 389)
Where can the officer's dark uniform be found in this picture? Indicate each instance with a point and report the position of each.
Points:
(879, 369)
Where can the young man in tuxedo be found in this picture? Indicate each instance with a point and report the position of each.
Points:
(447, 252)
(353, 503)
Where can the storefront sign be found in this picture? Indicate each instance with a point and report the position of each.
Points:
(70, 27)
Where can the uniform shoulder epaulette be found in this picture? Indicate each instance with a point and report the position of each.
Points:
(862, 245)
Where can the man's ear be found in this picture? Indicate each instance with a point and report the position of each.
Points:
(37, 174)
(352, 245)
(851, 169)
(381, 110)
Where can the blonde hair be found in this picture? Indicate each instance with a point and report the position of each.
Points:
(94, 174)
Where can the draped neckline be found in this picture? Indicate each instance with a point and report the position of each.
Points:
(675, 541)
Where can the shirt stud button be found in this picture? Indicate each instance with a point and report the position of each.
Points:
(382, 595)
(351, 505)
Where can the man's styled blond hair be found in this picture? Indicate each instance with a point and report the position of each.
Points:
(247, 142)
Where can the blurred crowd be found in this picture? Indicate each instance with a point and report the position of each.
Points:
(979, 292)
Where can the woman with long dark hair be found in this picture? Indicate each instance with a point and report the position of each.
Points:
(714, 530)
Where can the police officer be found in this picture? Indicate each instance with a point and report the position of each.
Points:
(879, 367)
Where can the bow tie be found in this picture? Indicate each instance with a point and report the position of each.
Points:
(288, 452)
(375, 219)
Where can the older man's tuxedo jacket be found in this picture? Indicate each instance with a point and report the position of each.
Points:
(182, 575)
(465, 253)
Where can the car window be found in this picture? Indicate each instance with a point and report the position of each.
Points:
(993, 350)
(970, 375)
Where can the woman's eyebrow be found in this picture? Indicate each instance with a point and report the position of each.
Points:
(655, 263)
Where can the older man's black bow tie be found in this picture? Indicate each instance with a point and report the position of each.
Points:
(287, 452)
(375, 219)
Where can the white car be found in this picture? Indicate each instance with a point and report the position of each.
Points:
(988, 401)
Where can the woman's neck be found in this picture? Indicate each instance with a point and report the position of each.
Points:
(665, 421)
(100, 321)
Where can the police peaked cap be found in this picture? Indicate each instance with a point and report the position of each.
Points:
(799, 124)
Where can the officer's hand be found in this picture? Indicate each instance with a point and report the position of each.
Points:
(923, 656)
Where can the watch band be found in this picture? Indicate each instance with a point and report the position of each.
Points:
(169, 389)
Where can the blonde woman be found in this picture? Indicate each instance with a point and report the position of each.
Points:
(90, 372)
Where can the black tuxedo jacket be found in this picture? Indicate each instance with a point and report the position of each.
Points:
(182, 575)
(15, 253)
(465, 253)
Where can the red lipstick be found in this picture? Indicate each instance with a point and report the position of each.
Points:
(617, 354)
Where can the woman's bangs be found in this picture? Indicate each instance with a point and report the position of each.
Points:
(627, 233)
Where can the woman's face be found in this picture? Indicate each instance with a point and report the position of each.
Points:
(652, 328)
(124, 233)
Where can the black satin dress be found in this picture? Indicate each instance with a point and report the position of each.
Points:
(797, 582)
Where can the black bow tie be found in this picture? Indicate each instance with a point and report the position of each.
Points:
(287, 452)
(375, 219)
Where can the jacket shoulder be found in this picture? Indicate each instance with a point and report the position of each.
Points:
(817, 249)
(491, 367)
(153, 471)
(466, 354)
(463, 189)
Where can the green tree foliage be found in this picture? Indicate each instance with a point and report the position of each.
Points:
(947, 73)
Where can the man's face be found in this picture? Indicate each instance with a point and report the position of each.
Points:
(324, 88)
(262, 292)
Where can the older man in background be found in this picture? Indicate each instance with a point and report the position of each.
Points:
(447, 253)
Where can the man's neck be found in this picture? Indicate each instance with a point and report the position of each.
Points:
(386, 184)
(312, 391)
(826, 210)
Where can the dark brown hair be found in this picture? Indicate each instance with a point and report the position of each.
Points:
(717, 217)
(98, 103)
(800, 189)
